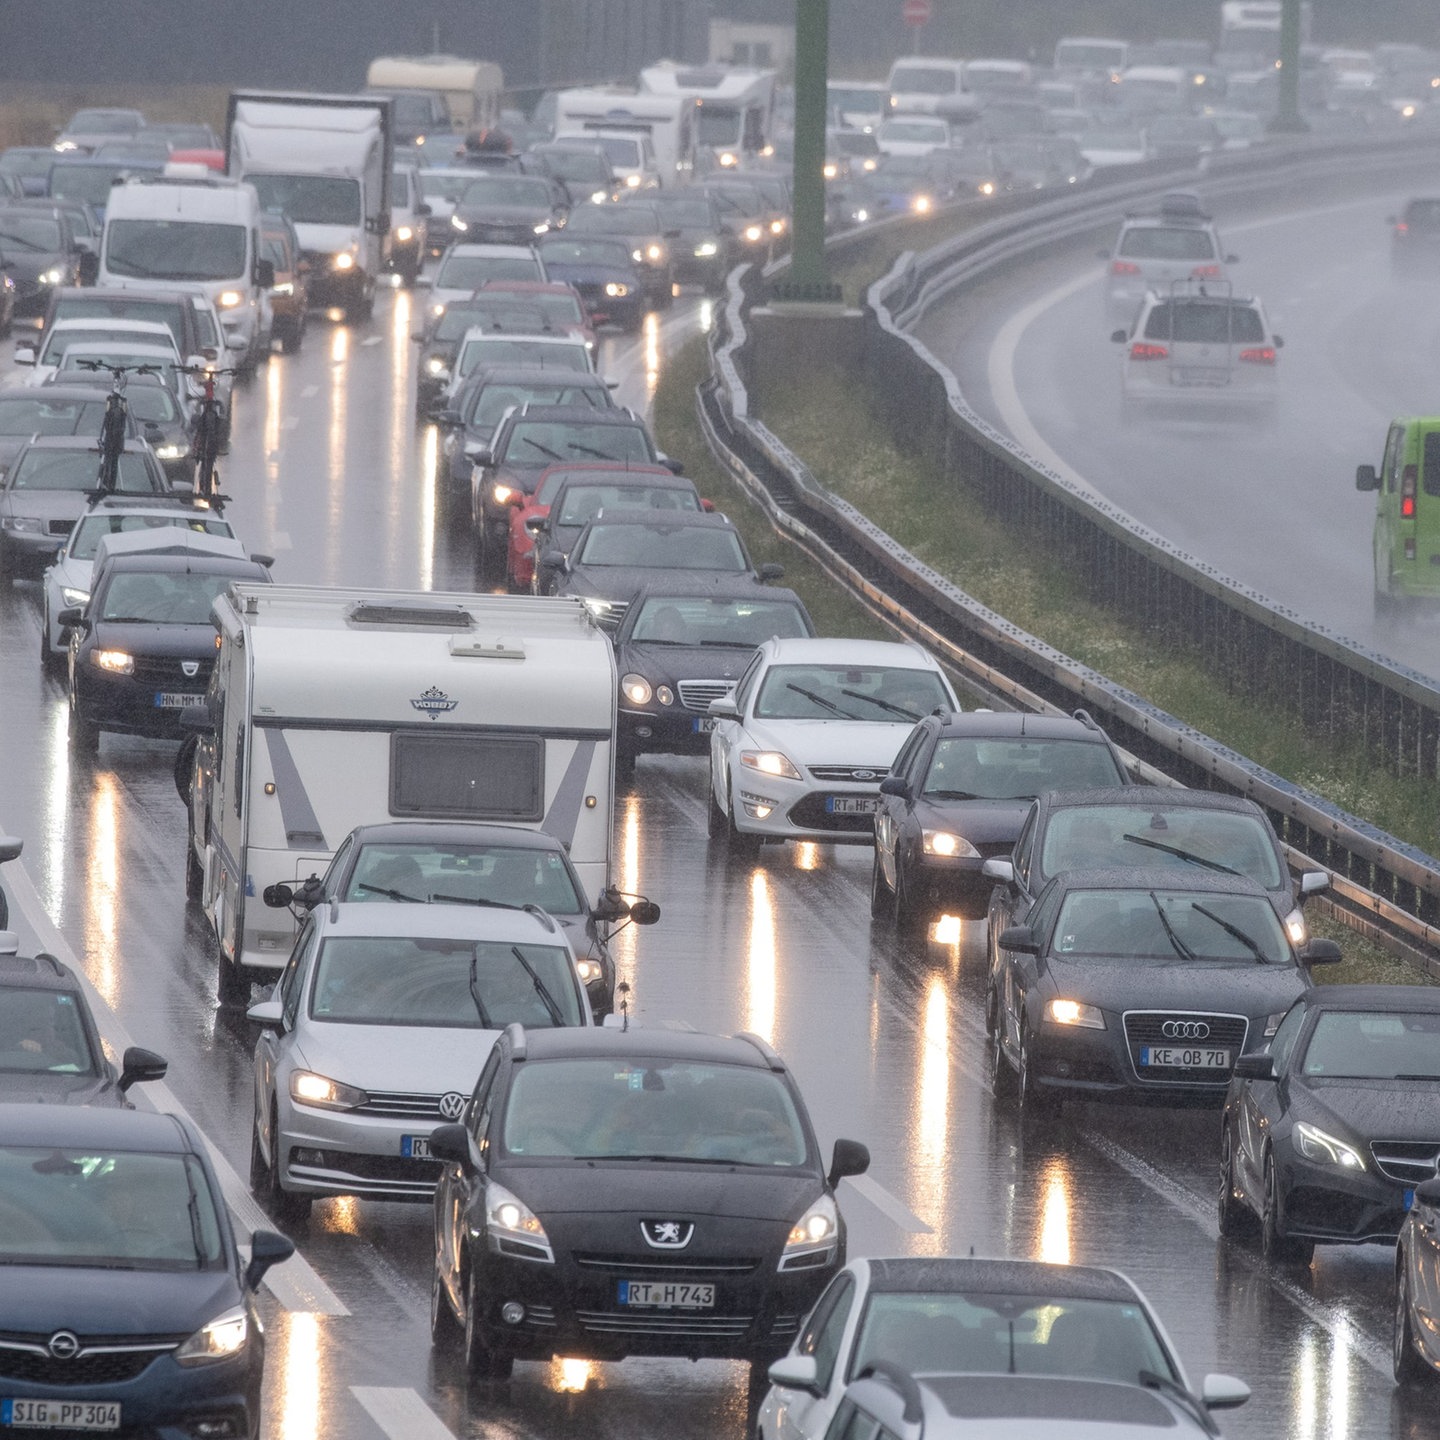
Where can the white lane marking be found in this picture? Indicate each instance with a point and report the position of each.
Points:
(295, 1284)
(401, 1414)
(372, 339)
(289, 422)
(309, 392)
(889, 1205)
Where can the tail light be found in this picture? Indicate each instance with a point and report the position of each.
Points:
(1205, 272)
(1401, 228)
(1141, 351)
(1407, 492)
(1260, 355)
(1123, 267)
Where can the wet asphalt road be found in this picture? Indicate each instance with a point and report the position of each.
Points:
(886, 1039)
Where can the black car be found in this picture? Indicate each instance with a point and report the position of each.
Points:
(682, 645)
(125, 1304)
(461, 863)
(1415, 239)
(579, 166)
(701, 250)
(1328, 1133)
(175, 309)
(605, 274)
(154, 411)
(50, 1050)
(1140, 986)
(509, 209)
(40, 251)
(617, 556)
(1415, 1347)
(439, 343)
(73, 408)
(142, 650)
(641, 228)
(957, 794)
(632, 1192)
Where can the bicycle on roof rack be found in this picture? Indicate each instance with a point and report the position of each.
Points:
(116, 420)
(205, 444)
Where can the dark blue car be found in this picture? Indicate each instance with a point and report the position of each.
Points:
(603, 272)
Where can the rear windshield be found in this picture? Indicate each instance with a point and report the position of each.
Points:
(80, 470)
(532, 441)
(1164, 242)
(86, 536)
(29, 233)
(919, 80)
(470, 272)
(1205, 324)
(464, 874)
(517, 350)
(490, 402)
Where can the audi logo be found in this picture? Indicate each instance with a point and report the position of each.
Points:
(1185, 1030)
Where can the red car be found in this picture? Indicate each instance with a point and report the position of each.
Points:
(560, 304)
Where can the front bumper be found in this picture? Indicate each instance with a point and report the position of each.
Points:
(30, 551)
(672, 731)
(329, 286)
(126, 704)
(327, 1152)
(800, 810)
(953, 884)
(1324, 1202)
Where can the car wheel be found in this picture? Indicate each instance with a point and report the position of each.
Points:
(194, 872)
(84, 734)
(232, 983)
(1002, 1075)
(882, 897)
(1276, 1246)
(265, 1178)
(292, 339)
(717, 823)
(908, 916)
(1035, 1103)
(50, 662)
(1231, 1213)
(1410, 1366)
(446, 1332)
(1387, 606)
(185, 767)
(481, 1363)
(740, 845)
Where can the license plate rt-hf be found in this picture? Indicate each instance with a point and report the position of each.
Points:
(652, 1294)
(1193, 1058)
(68, 1415)
(852, 804)
(415, 1147)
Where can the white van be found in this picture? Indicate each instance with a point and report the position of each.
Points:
(926, 85)
(1166, 89)
(201, 235)
(329, 709)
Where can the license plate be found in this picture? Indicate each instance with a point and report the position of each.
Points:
(652, 1294)
(415, 1147)
(1191, 1059)
(1409, 1199)
(176, 700)
(60, 1414)
(852, 804)
(1201, 377)
(702, 724)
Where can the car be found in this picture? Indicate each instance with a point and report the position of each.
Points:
(913, 184)
(800, 749)
(630, 155)
(482, 347)
(408, 218)
(616, 1192)
(956, 796)
(67, 582)
(441, 186)
(439, 340)
(1179, 242)
(1198, 347)
(1407, 520)
(155, 411)
(682, 645)
(466, 266)
(50, 1048)
(375, 1032)
(10, 849)
(1414, 239)
(912, 135)
(1145, 825)
(85, 229)
(48, 487)
(1139, 986)
(118, 1242)
(558, 303)
(183, 135)
(290, 294)
(579, 165)
(1415, 1352)
(1327, 1133)
(465, 863)
(503, 209)
(973, 1327)
(142, 648)
(747, 214)
(40, 251)
(72, 409)
(89, 179)
(603, 271)
(30, 164)
(87, 129)
(641, 226)
(48, 354)
(190, 318)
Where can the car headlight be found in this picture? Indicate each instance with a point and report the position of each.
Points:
(588, 970)
(655, 252)
(638, 256)
(599, 197)
(285, 287)
(344, 261)
(616, 290)
(728, 158)
(1074, 1012)
(633, 181)
(777, 227)
(868, 163)
(921, 204)
(74, 597)
(664, 694)
(501, 494)
(23, 524)
(435, 365)
(987, 187)
(818, 1228)
(754, 233)
(117, 662)
(458, 223)
(943, 842)
(308, 1088)
(52, 276)
(225, 1336)
(1315, 1144)
(510, 1218)
(769, 762)
(404, 234)
(1272, 1023)
(438, 309)
(705, 249)
(543, 228)
(169, 452)
(636, 689)
(229, 299)
(861, 216)
(831, 170)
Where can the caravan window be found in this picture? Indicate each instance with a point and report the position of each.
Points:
(467, 776)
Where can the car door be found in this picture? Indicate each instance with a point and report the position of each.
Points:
(1020, 972)
(1260, 1105)
(895, 817)
(727, 734)
(1424, 1274)
(455, 1190)
(1388, 505)
(801, 1416)
(1008, 901)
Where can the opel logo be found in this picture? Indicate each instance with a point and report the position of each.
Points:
(62, 1345)
(190, 667)
(1185, 1030)
(667, 1234)
(452, 1105)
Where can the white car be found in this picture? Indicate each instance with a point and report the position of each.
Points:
(465, 267)
(912, 135)
(1082, 1341)
(799, 751)
(93, 359)
(375, 1033)
(1177, 243)
(105, 333)
(488, 347)
(67, 581)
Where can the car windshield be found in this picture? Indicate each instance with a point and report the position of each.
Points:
(535, 441)
(854, 142)
(102, 122)
(921, 130)
(977, 768)
(464, 874)
(648, 547)
(518, 350)
(1169, 927)
(490, 402)
(621, 150)
(175, 250)
(86, 360)
(615, 220)
(652, 1109)
(686, 213)
(581, 503)
(1164, 242)
(41, 469)
(31, 414)
(107, 1209)
(310, 199)
(1126, 140)
(921, 80)
(715, 620)
(36, 234)
(443, 983)
(739, 198)
(27, 162)
(41, 1032)
(605, 254)
(717, 125)
(86, 535)
(164, 597)
(506, 190)
(470, 272)
(444, 184)
(1103, 836)
(583, 165)
(839, 97)
(90, 183)
(1205, 323)
(937, 1335)
(885, 694)
(113, 307)
(1369, 1045)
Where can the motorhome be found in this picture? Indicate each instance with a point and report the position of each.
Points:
(332, 708)
(733, 107)
(463, 95)
(667, 121)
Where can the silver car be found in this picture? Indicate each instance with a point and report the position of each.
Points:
(1151, 252)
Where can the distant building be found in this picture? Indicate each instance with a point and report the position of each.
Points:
(745, 42)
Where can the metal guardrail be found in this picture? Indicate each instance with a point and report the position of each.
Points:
(1381, 884)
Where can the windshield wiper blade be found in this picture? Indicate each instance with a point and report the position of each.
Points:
(951, 795)
(677, 1159)
(591, 451)
(480, 1010)
(883, 704)
(388, 893)
(820, 700)
(1180, 947)
(1151, 1381)
(193, 1205)
(474, 900)
(1180, 854)
(543, 449)
(546, 998)
(1234, 931)
(1408, 1076)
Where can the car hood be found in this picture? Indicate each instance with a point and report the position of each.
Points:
(833, 742)
(45, 1298)
(590, 274)
(51, 1089)
(47, 504)
(1371, 1109)
(683, 662)
(418, 1059)
(187, 641)
(621, 582)
(30, 264)
(1209, 986)
(990, 821)
(503, 214)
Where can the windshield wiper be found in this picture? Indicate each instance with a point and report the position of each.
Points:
(1234, 931)
(951, 795)
(475, 900)
(9, 240)
(726, 644)
(589, 450)
(820, 700)
(1180, 947)
(543, 449)
(1180, 854)
(388, 893)
(546, 998)
(193, 1205)
(883, 704)
(1151, 1381)
(677, 1159)
(1417, 1077)
(480, 1010)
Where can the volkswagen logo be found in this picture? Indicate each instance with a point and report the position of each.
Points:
(667, 1234)
(190, 668)
(452, 1105)
(1185, 1030)
(62, 1345)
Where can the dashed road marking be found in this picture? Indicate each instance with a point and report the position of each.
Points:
(889, 1205)
(401, 1413)
(309, 392)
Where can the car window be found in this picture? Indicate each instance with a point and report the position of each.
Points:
(1390, 465)
(880, 693)
(1163, 242)
(292, 979)
(746, 682)
(464, 874)
(42, 1033)
(851, 1423)
(1024, 843)
(86, 536)
(1201, 323)
(1286, 1036)
(533, 440)
(161, 597)
(653, 547)
(822, 1335)
(581, 503)
(908, 753)
(482, 1103)
(1430, 463)
(966, 767)
(1360, 1045)
(704, 620)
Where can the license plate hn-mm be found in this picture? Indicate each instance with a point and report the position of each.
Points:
(667, 1295)
(1177, 1058)
(67, 1415)
(177, 699)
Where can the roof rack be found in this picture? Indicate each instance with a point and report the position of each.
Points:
(767, 1052)
(902, 1380)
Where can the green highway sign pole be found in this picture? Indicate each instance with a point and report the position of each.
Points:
(809, 278)
(1287, 118)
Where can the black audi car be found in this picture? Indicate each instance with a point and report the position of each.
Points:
(41, 253)
(680, 646)
(632, 1192)
(509, 209)
(125, 1304)
(603, 271)
(1140, 986)
(1328, 1132)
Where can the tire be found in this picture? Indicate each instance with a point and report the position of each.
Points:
(1387, 606)
(50, 662)
(717, 823)
(185, 767)
(232, 983)
(292, 339)
(1002, 1073)
(84, 734)
(194, 873)
(1035, 1104)
(1275, 1245)
(285, 1207)
(909, 918)
(480, 1362)
(1233, 1217)
(1410, 1368)
(882, 897)
(446, 1332)
(740, 845)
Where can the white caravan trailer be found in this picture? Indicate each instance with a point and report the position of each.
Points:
(330, 709)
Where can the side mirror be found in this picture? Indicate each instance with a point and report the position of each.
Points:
(1232, 259)
(24, 355)
(1223, 1392)
(1320, 952)
(1118, 337)
(422, 209)
(849, 1157)
(451, 1143)
(444, 416)
(644, 912)
(10, 848)
(1019, 938)
(553, 562)
(537, 525)
(267, 1014)
(266, 1249)
(674, 466)
(771, 571)
(708, 506)
(796, 1372)
(1428, 1193)
(895, 785)
(1279, 341)
(724, 708)
(267, 561)
(69, 617)
(1256, 1066)
(1365, 477)
(137, 1066)
(1001, 870)
(264, 273)
(1312, 882)
(481, 455)
(423, 282)
(278, 897)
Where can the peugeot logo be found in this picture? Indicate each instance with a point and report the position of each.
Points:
(190, 668)
(667, 1234)
(62, 1345)
(452, 1105)
(1185, 1030)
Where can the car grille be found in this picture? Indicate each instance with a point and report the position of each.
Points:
(59, 527)
(651, 1266)
(849, 774)
(401, 1105)
(102, 1360)
(697, 694)
(164, 673)
(1411, 1162)
(484, 232)
(709, 1327)
(784, 1326)
(809, 813)
(1146, 1027)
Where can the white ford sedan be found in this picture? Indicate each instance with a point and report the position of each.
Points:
(799, 751)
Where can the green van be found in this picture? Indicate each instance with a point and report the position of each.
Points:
(1407, 514)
